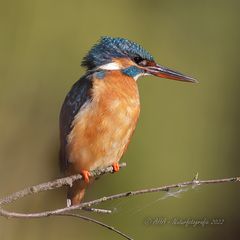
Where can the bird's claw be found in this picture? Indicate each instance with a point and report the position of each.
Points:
(86, 174)
(115, 167)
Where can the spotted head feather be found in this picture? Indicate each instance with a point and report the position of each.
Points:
(108, 48)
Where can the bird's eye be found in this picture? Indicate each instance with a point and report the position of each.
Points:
(140, 61)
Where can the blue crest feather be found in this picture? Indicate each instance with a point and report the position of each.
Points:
(109, 47)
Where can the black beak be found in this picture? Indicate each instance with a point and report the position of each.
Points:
(164, 72)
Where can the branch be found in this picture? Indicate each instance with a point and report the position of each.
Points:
(68, 181)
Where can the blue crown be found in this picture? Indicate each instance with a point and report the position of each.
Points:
(108, 48)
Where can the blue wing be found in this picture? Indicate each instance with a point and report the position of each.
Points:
(78, 95)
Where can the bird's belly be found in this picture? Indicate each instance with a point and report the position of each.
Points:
(101, 134)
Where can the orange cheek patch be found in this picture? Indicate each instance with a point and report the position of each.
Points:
(123, 62)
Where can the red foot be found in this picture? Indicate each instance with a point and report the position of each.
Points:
(116, 167)
(86, 174)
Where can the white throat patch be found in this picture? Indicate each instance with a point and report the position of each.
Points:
(139, 75)
(117, 66)
(110, 66)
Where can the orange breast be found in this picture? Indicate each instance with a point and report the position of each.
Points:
(103, 127)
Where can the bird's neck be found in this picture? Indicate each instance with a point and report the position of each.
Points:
(115, 84)
(134, 72)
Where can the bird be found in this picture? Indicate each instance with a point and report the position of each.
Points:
(101, 110)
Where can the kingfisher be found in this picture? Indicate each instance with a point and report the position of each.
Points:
(100, 112)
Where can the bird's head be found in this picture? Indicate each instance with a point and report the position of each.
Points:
(130, 58)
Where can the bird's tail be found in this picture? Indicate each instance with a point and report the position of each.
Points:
(76, 193)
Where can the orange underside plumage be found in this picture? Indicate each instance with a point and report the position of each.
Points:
(102, 129)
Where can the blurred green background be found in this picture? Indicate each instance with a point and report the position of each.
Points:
(183, 128)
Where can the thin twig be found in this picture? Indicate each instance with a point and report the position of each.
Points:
(96, 222)
(97, 210)
(157, 189)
